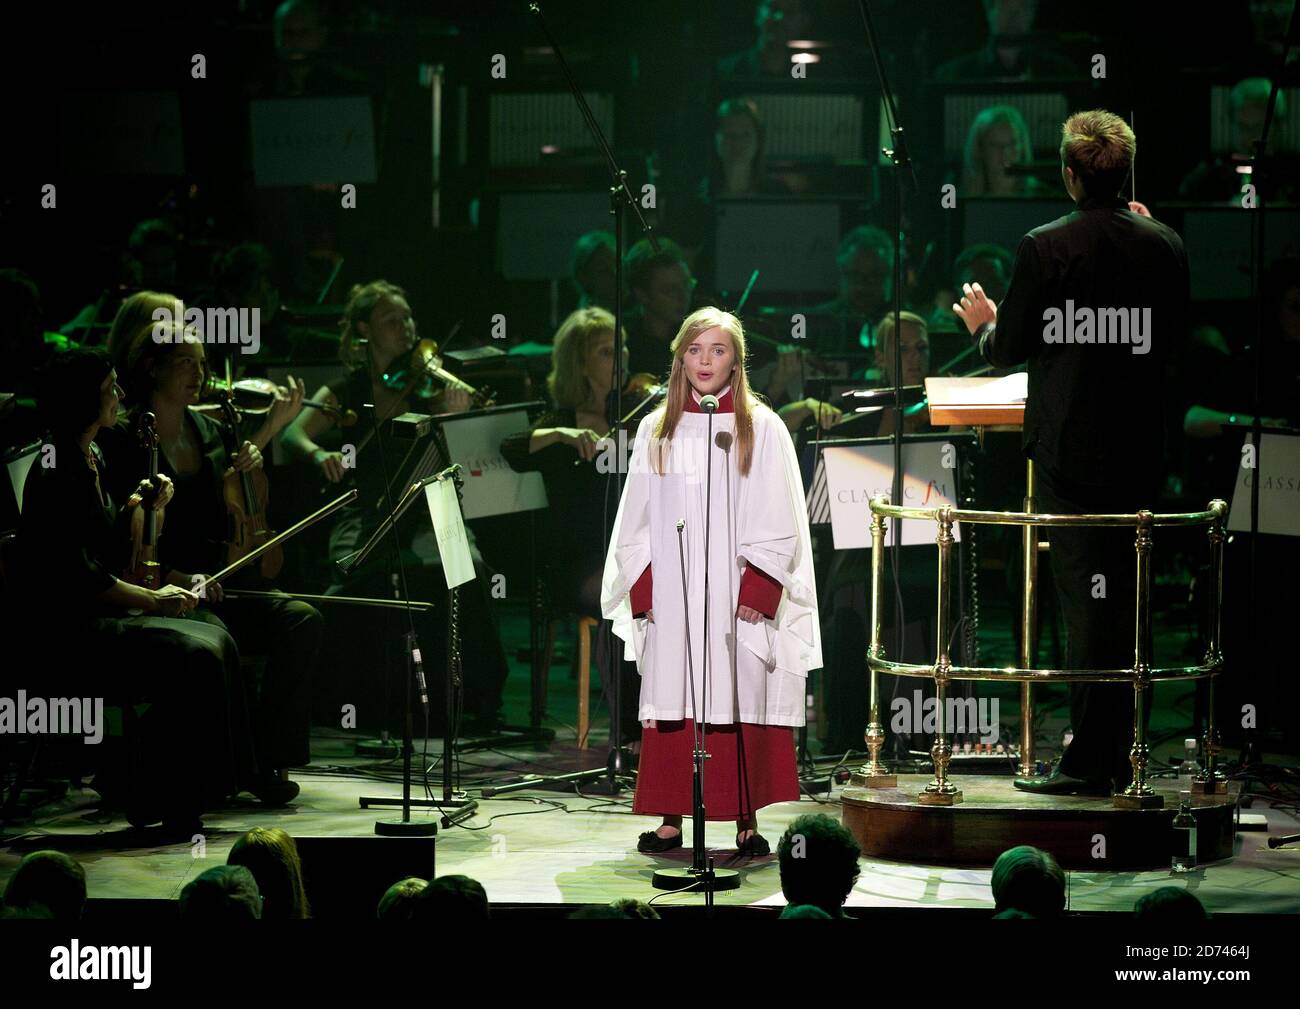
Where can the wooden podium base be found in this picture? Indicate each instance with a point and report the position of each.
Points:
(1082, 832)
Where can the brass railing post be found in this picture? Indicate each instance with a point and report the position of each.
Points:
(874, 774)
(1138, 794)
(941, 791)
(1028, 624)
(1208, 780)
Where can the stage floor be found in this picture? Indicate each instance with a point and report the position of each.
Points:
(572, 849)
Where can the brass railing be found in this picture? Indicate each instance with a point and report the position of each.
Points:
(1138, 794)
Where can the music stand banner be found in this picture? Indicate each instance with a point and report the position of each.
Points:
(1279, 488)
(857, 473)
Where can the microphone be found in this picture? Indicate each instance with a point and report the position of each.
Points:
(708, 403)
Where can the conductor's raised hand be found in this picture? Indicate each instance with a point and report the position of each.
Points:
(975, 308)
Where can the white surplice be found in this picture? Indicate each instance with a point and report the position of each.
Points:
(757, 672)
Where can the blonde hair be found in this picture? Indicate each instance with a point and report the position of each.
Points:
(362, 300)
(135, 314)
(679, 386)
(568, 383)
(885, 328)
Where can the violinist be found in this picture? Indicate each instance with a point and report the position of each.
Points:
(563, 446)
(203, 458)
(99, 635)
(378, 344)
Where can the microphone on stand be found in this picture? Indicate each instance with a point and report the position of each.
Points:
(709, 403)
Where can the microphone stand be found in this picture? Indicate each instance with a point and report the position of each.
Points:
(899, 159)
(619, 200)
(701, 876)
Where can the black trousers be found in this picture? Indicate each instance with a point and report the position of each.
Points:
(1094, 571)
(288, 632)
(194, 745)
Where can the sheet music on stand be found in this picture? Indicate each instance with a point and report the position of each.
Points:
(473, 438)
(1279, 474)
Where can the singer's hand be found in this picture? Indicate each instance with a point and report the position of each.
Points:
(650, 615)
(749, 614)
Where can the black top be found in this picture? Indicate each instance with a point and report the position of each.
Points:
(574, 523)
(73, 542)
(353, 392)
(1095, 411)
(196, 524)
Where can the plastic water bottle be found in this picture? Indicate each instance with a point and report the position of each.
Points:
(1184, 859)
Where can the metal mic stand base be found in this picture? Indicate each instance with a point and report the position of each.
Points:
(383, 747)
(708, 880)
(406, 828)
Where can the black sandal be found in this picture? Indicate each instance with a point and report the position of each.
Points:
(650, 843)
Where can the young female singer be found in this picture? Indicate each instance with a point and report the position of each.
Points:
(745, 690)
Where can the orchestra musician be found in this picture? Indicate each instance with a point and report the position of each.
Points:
(563, 445)
(379, 336)
(168, 375)
(94, 632)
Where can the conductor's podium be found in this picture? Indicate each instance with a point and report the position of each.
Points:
(1084, 833)
(970, 820)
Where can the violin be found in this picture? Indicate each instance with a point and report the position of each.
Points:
(245, 495)
(643, 387)
(422, 376)
(146, 571)
(257, 395)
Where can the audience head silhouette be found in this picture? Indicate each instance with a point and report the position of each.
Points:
(1030, 881)
(47, 881)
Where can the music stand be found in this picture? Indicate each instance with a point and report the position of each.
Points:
(464, 807)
